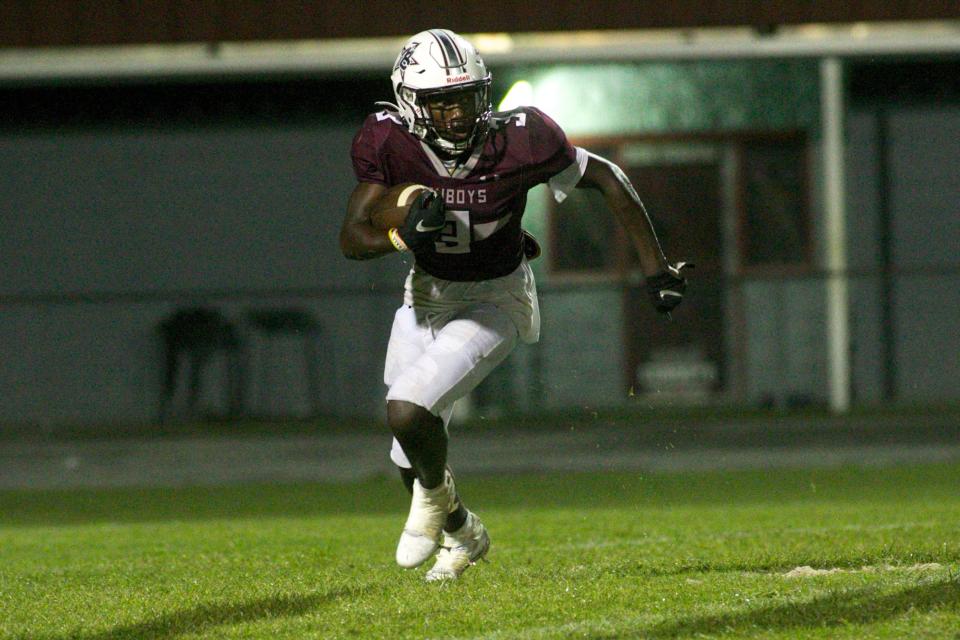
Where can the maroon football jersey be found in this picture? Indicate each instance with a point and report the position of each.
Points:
(485, 196)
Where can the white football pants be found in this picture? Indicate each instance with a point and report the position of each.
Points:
(433, 358)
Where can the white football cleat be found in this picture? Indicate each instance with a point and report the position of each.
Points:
(461, 549)
(428, 512)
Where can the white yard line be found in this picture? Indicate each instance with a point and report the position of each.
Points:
(810, 572)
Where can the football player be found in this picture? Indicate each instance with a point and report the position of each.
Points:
(470, 294)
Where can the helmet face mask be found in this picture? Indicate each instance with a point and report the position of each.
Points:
(442, 89)
(456, 115)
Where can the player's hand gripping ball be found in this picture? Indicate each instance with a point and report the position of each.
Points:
(413, 215)
(392, 207)
(666, 288)
(424, 223)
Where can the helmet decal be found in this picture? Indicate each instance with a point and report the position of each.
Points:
(406, 57)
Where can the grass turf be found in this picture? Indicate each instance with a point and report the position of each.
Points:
(617, 555)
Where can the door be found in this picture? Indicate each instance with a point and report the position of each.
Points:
(682, 356)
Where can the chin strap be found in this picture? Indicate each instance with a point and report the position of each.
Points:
(389, 106)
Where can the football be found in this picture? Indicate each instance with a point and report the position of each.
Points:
(392, 207)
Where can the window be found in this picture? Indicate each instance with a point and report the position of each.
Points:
(690, 185)
(774, 226)
(584, 235)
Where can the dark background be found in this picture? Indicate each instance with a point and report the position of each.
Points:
(43, 23)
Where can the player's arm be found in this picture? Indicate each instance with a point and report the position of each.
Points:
(622, 199)
(665, 282)
(359, 240)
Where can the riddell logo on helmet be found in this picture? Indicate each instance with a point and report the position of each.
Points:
(452, 79)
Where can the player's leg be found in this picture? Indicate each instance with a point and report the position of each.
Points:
(456, 518)
(465, 541)
(425, 437)
(422, 437)
(426, 522)
(461, 548)
(409, 339)
(463, 353)
(426, 381)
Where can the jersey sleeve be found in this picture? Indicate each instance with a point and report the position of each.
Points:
(365, 153)
(555, 160)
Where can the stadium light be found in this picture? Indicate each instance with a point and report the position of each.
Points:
(519, 95)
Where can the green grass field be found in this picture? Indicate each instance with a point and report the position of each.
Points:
(614, 555)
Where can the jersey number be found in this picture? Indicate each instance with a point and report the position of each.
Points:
(455, 237)
(520, 118)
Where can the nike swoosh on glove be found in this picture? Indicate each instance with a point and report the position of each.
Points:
(424, 222)
(666, 288)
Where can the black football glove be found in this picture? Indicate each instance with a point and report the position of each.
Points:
(666, 288)
(424, 222)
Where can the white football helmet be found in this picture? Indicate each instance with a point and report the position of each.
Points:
(438, 66)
